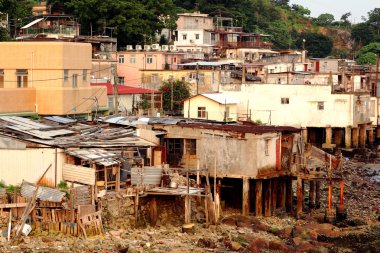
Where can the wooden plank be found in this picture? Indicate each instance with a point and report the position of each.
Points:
(289, 195)
(258, 194)
(299, 196)
(13, 205)
(268, 198)
(80, 174)
(246, 204)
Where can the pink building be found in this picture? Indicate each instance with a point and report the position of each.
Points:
(130, 64)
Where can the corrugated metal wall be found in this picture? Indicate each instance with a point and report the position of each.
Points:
(80, 174)
(30, 165)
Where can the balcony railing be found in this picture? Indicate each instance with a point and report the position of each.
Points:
(244, 44)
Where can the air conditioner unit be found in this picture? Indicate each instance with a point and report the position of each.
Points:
(129, 47)
(156, 47)
(173, 48)
(165, 48)
(138, 47)
(147, 47)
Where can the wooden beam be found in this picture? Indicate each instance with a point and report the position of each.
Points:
(289, 196)
(245, 209)
(258, 199)
(274, 193)
(268, 198)
(281, 193)
(187, 210)
(299, 196)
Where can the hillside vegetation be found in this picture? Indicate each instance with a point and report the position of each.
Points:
(137, 21)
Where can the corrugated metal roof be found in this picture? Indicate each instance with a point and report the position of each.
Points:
(204, 63)
(43, 193)
(146, 176)
(61, 120)
(99, 156)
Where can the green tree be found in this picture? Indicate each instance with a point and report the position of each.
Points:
(366, 58)
(325, 19)
(372, 47)
(4, 36)
(181, 91)
(363, 33)
(374, 19)
(18, 12)
(317, 45)
(344, 19)
(281, 37)
(300, 10)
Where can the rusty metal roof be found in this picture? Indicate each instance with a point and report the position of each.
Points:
(254, 129)
(43, 193)
(99, 156)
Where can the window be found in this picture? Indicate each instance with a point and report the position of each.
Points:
(197, 36)
(120, 80)
(202, 113)
(1, 78)
(212, 36)
(184, 36)
(201, 78)
(192, 76)
(22, 78)
(267, 142)
(154, 78)
(132, 58)
(190, 146)
(65, 74)
(110, 102)
(149, 59)
(84, 74)
(74, 80)
(285, 101)
(321, 105)
(121, 58)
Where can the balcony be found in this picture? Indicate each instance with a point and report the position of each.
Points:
(244, 44)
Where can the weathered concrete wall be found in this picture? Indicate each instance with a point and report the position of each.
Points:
(236, 155)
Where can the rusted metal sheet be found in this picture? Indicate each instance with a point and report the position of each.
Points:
(80, 174)
(43, 193)
(99, 156)
(278, 154)
(82, 195)
(146, 176)
(30, 164)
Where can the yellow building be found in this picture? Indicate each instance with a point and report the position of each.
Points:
(211, 106)
(48, 78)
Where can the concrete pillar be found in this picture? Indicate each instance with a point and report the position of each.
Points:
(268, 198)
(338, 134)
(377, 132)
(259, 194)
(362, 135)
(289, 196)
(304, 135)
(347, 137)
(355, 137)
(371, 136)
(328, 136)
(245, 208)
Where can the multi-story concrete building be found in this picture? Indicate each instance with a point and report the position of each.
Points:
(49, 78)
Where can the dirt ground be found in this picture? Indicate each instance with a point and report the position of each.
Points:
(236, 233)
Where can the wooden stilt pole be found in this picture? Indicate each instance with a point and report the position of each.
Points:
(259, 194)
(245, 208)
(299, 196)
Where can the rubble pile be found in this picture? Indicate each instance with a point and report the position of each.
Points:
(362, 189)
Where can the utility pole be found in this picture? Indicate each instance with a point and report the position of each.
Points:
(171, 95)
(197, 78)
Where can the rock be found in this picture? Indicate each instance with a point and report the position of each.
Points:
(279, 246)
(257, 244)
(305, 247)
(235, 246)
(285, 233)
(298, 240)
(48, 239)
(206, 243)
